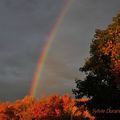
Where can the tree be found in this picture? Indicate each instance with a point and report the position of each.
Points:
(102, 69)
(60, 108)
(51, 108)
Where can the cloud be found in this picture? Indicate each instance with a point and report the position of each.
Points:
(71, 45)
(12, 90)
(25, 25)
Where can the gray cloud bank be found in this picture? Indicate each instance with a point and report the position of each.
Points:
(24, 26)
(71, 45)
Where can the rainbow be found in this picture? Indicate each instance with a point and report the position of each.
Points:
(42, 59)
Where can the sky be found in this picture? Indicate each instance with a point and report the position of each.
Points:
(24, 28)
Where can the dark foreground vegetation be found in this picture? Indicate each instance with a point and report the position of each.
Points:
(102, 69)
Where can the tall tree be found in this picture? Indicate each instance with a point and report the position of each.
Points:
(102, 69)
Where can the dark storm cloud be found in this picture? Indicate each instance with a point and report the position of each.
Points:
(12, 90)
(71, 45)
(57, 77)
(79, 25)
(24, 26)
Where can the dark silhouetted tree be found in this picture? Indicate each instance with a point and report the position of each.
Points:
(102, 69)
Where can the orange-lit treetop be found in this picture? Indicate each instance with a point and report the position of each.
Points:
(51, 108)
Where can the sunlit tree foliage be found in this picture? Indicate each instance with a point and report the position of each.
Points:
(50, 108)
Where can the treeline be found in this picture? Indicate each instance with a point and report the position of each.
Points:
(51, 108)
